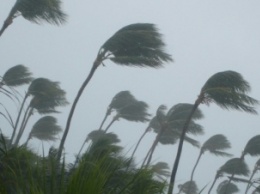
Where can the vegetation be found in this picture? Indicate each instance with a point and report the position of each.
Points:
(104, 168)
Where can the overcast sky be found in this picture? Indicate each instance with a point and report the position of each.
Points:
(204, 37)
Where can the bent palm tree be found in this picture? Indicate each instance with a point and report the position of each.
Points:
(256, 168)
(119, 101)
(228, 90)
(137, 45)
(233, 166)
(214, 145)
(36, 11)
(45, 129)
(46, 97)
(135, 111)
(171, 124)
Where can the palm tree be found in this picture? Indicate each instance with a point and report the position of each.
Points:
(170, 126)
(137, 45)
(228, 90)
(135, 111)
(214, 145)
(161, 170)
(222, 188)
(233, 166)
(119, 101)
(46, 97)
(36, 11)
(45, 129)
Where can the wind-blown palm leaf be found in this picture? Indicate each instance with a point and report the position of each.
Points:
(136, 111)
(235, 166)
(42, 10)
(97, 134)
(47, 95)
(189, 187)
(253, 146)
(161, 170)
(227, 188)
(256, 168)
(215, 144)
(229, 90)
(121, 99)
(138, 45)
(16, 76)
(45, 129)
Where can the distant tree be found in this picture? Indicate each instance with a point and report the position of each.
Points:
(222, 188)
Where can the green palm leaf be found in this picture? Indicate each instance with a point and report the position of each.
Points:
(97, 134)
(253, 146)
(161, 170)
(42, 10)
(137, 45)
(121, 99)
(216, 144)
(16, 76)
(227, 188)
(189, 187)
(45, 129)
(229, 90)
(235, 166)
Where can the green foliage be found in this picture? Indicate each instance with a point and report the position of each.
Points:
(253, 146)
(41, 10)
(16, 76)
(227, 188)
(235, 166)
(189, 187)
(138, 45)
(229, 90)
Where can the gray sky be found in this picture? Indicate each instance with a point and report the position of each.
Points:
(204, 37)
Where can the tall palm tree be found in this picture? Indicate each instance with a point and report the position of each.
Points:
(214, 145)
(46, 97)
(233, 166)
(228, 90)
(36, 11)
(137, 45)
(119, 101)
(222, 188)
(171, 124)
(45, 129)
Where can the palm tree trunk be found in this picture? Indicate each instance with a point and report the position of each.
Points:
(111, 123)
(18, 118)
(23, 125)
(193, 170)
(9, 19)
(147, 155)
(178, 156)
(156, 141)
(250, 179)
(216, 177)
(105, 118)
(139, 141)
(97, 62)
(77, 157)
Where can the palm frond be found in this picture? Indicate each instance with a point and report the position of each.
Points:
(229, 90)
(121, 99)
(45, 129)
(216, 144)
(235, 166)
(253, 146)
(138, 45)
(16, 76)
(97, 134)
(189, 187)
(37, 11)
(136, 111)
(227, 188)
(161, 169)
